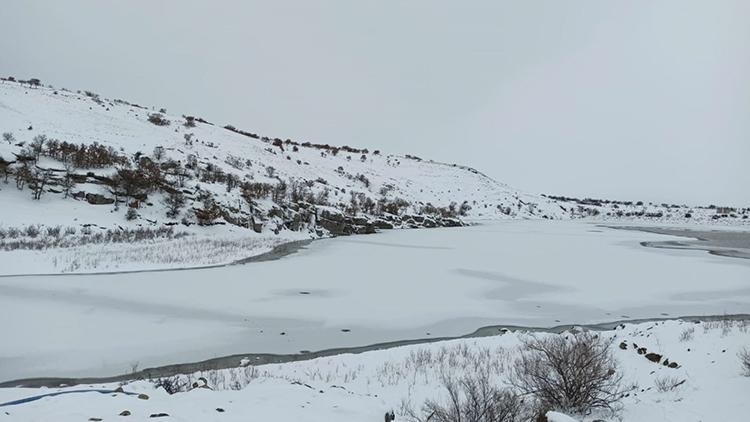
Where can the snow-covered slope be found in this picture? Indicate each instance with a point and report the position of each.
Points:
(78, 118)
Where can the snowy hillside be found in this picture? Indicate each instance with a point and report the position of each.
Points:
(74, 166)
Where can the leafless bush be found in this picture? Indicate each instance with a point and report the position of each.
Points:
(687, 334)
(574, 373)
(667, 383)
(171, 384)
(32, 231)
(473, 399)
(158, 119)
(744, 356)
(8, 137)
(54, 231)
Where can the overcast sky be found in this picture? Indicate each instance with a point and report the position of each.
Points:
(640, 100)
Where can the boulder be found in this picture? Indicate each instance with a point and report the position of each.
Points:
(382, 224)
(653, 357)
(450, 222)
(96, 199)
(359, 220)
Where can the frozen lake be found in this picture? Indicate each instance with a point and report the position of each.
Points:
(359, 290)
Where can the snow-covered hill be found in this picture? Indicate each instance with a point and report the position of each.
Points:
(77, 169)
(85, 118)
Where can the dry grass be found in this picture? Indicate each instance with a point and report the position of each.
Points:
(667, 383)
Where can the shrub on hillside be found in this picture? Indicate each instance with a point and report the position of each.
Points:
(174, 203)
(158, 119)
(189, 121)
(131, 214)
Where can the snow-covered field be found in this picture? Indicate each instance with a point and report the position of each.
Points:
(356, 291)
(707, 385)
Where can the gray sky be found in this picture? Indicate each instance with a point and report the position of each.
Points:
(640, 100)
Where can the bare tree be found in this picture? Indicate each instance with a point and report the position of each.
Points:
(174, 202)
(37, 145)
(744, 356)
(9, 138)
(68, 183)
(158, 153)
(574, 373)
(39, 179)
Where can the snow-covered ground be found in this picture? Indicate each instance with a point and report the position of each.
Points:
(195, 249)
(707, 385)
(391, 286)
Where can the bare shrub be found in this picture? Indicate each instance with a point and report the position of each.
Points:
(667, 383)
(687, 334)
(158, 119)
(131, 214)
(8, 137)
(744, 356)
(171, 385)
(473, 399)
(571, 373)
(54, 231)
(32, 231)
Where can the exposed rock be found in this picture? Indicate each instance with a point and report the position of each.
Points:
(143, 396)
(159, 415)
(623, 345)
(653, 357)
(97, 199)
(382, 224)
(125, 413)
(450, 222)
(359, 220)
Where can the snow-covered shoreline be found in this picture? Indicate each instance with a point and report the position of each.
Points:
(705, 384)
